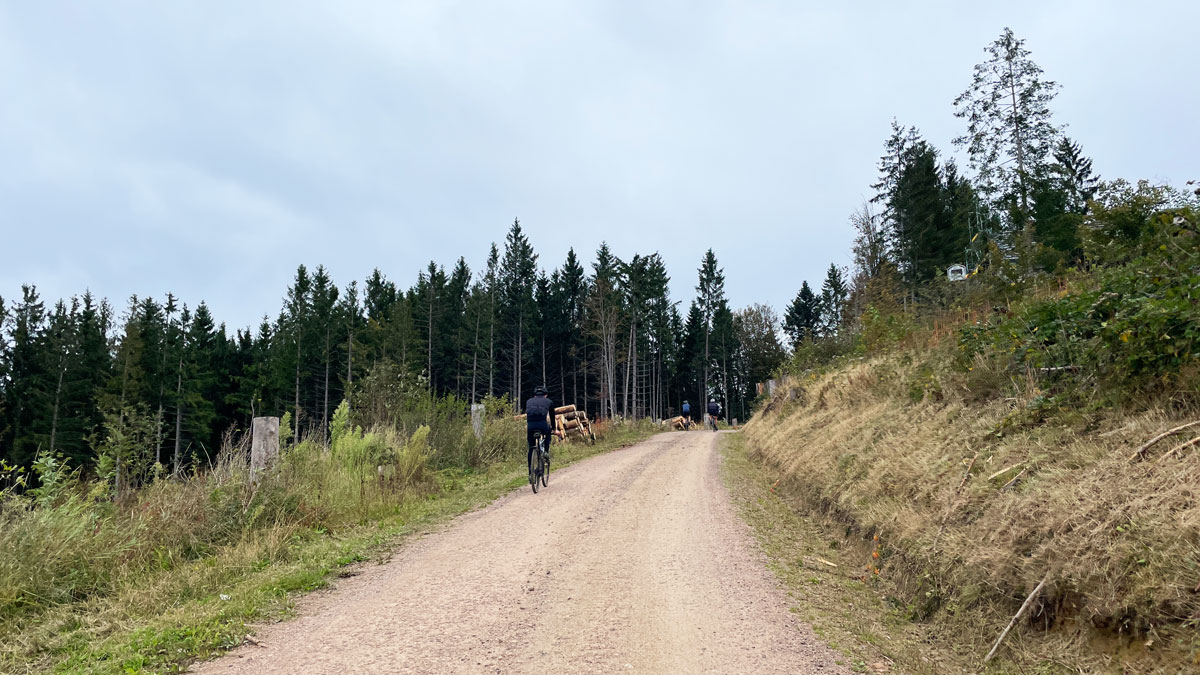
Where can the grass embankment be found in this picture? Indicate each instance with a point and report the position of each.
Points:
(997, 446)
(975, 502)
(177, 570)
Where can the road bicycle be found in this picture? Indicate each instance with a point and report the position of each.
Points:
(539, 462)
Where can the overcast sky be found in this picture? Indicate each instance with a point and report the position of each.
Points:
(209, 148)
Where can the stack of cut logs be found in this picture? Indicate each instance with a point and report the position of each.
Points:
(680, 422)
(570, 421)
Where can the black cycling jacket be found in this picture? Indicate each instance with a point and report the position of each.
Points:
(538, 411)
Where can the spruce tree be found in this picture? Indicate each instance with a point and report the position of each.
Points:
(802, 320)
(834, 294)
(1074, 173)
(605, 311)
(710, 291)
(29, 390)
(1009, 127)
(518, 274)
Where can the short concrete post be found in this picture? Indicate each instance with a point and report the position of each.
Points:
(477, 414)
(735, 421)
(264, 445)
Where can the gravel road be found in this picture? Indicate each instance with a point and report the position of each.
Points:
(632, 561)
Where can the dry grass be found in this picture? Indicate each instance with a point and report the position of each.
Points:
(178, 569)
(976, 497)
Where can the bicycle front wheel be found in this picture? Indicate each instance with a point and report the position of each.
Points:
(535, 462)
(545, 469)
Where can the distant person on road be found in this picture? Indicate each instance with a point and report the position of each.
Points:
(714, 412)
(687, 415)
(539, 414)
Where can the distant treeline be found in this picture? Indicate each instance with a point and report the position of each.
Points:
(78, 379)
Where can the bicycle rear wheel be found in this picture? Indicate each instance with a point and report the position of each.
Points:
(535, 463)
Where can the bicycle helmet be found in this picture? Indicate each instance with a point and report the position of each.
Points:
(539, 390)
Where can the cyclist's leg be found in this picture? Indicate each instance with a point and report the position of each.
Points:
(529, 441)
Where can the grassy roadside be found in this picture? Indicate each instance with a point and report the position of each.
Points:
(203, 607)
(826, 575)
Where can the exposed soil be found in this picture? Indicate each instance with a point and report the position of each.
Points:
(631, 561)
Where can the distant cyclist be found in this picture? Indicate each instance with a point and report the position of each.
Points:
(714, 412)
(687, 415)
(539, 414)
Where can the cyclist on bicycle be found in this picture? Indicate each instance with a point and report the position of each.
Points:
(687, 415)
(539, 414)
(714, 412)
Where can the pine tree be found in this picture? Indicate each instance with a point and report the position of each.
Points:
(426, 300)
(453, 329)
(518, 273)
(350, 315)
(802, 320)
(573, 288)
(294, 332)
(28, 391)
(834, 294)
(710, 291)
(920, 214)
(492, 288)
(891, 163)
(605, 312)
(323, 301)
(1009, 127)
(1074, 173)
(196, 407)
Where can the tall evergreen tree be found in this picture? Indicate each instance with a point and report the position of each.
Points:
(710, 291)
(1009, 127)
(1074, 173)
(803, 317)
(29, 391)
(834, 294)
(605, 311)
(518, 274)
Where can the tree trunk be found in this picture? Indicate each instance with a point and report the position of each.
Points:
(475, 360)
(178, 418)
(325, 395)
(492, 347)
(429, 337)
(1016, 123)
(349, 359)
(57, 399)
(296, 414)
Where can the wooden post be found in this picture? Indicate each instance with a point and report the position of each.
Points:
(477, 412)
(264, 445)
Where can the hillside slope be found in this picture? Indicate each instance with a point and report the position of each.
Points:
(976, 501)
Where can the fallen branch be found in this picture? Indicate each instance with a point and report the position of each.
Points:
(1183, 446)
(1013, 481)
(1152, 441)
(968, 474)
(1017, 617)
(1003, 471)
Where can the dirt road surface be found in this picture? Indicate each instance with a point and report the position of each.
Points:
(632, 561)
